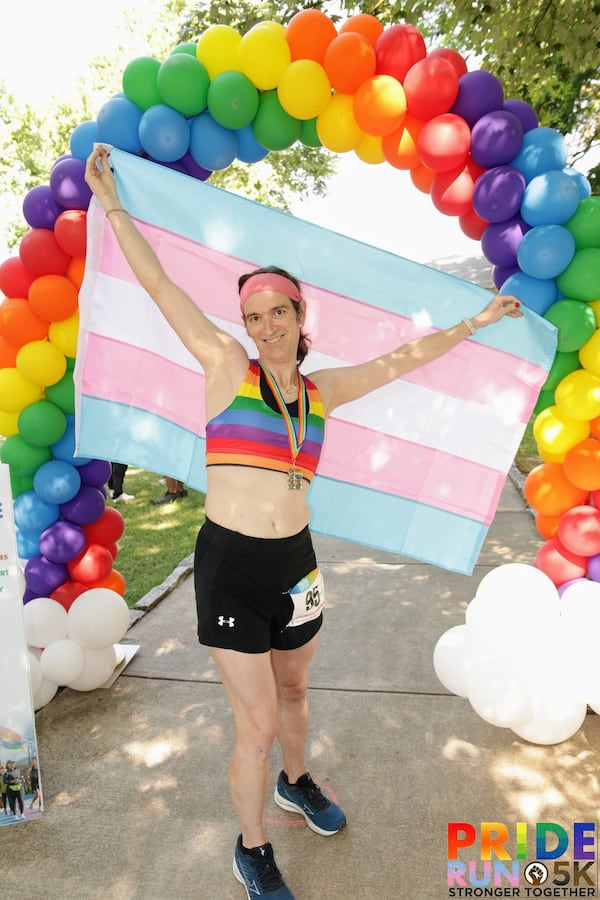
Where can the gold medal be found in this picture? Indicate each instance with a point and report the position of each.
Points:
(294, 479)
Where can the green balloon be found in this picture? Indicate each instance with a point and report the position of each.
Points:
(545, 399)
(273, 127)
(62, 394)
(20, 484)
(190, 47)
(581, 278)
(42, 423)
(232, 100)
(563, 364)
(575, 321)
(23, 458)
(183, 84)
(70, 363)
(139, 82)
(308, 133)
(585, 224)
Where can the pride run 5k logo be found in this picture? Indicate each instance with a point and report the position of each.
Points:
(492, 859)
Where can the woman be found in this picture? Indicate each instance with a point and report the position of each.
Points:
(258, 589)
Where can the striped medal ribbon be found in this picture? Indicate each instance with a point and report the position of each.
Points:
(295, 441)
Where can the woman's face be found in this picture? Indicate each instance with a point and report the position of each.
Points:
(273, 324)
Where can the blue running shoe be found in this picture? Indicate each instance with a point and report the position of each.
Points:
(306, 797)
(259, 874)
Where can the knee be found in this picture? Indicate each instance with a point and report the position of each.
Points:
(257, 737)
(294, 692)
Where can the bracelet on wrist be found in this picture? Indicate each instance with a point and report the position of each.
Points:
(114, 209)
(470, 326)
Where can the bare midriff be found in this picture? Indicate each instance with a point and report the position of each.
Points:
(255, 502)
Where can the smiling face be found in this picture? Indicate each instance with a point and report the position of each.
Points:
(273, 325)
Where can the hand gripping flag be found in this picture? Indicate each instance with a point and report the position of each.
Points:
(415, 468)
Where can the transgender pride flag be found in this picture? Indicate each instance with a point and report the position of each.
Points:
(415, 468)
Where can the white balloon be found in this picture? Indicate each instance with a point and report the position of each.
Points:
(97, 618)
(44, 693)
(499, 690)
(36, 675)
(517, 578)
(452, 658)
(45, 621)
(98, 667)
(62, 661)
(559, 718)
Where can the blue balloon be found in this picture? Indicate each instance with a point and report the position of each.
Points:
(83, 138)
(28, 543)
(34, 514)
(545, 251)
(56, 481)
(164, 133)
(65, 448)
(585, 188)
(550, 199)
(118, 123)
(535, 293)
(249, 151)
(542, 149)
(212, 146)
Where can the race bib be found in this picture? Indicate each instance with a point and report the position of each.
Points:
(308, 596)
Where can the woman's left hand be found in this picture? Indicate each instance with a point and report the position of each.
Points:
(502, 305)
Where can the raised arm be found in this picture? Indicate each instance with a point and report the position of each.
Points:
(338, 386)
(210, 345)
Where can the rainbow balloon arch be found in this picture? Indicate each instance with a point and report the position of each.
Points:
(483, 159)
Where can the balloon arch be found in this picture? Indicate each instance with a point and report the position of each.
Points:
(483, 159)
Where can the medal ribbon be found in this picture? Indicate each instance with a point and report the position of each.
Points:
(295, 441)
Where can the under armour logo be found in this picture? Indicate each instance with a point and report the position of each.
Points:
(223, 621)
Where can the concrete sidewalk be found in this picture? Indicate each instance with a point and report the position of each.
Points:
(134, 777)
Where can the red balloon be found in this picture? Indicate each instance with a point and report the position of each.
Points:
(579, 530)
(41, 253)
(558, 563)
(94, 563)
(453, 57)
(472, 225)
(397, 49)
(68, 592)
(431, 87)
(70, 231)
(15, 278)
(107, 529)
(444, 142)
(452, 192)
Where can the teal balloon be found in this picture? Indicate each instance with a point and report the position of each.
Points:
(562, 364)
(273, 127)
(23, 458)
(581, 279)
(585, 224)
(140, 82)
(42, 423)
(575, 322)
(183, 83)
(232, 100)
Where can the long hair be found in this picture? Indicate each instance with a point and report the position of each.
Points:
(304, 342)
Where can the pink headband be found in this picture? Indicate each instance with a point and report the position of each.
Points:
(268, 281)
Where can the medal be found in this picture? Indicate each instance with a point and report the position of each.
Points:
(295, 441)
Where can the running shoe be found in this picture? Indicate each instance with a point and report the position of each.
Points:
(307, 798)
(259, 874)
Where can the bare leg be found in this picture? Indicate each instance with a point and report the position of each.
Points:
(291, 677)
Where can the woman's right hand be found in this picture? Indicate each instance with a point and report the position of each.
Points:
(100, 179)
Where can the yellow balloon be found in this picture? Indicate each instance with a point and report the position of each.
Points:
(578, 395)
(217, 49)
(369, 149)
(304, 89)
(64, 335)
(9, 423)
(264, 55)
(41, 363)
(551, 457)
(589, 353)
(16, 392)
(337, 128)
(555, 433)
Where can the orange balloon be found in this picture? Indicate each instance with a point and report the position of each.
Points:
(548, 490)
(547, 526)
(364, 24)
(114, 581)
(400, 146)
(349, 60)
(422, 178)
(582, 464)
(595, 427)
(8, 354)
(308, 34)
(76, 270)
(19, 324)
(380, 105)
(53, 297)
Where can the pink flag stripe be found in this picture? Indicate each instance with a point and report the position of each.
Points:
(366, 329)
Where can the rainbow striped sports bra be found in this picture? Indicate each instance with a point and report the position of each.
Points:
(252, 433)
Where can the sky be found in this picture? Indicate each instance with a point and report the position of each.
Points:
(43, 55)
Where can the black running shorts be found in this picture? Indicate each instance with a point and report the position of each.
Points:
(242, 586)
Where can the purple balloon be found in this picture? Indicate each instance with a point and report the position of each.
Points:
(86, 506)
(524, 112)
(567, 584)
(40, 208)
(496, 138)
(68, 186)
(479, 92)
(192, 168)
(28, 595)
(498, 193)
(62, 542)
(96, 472)
(500, 241)
(44, 576)
(501, 273)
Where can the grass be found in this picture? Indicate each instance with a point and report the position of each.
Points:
(156, 538)
(527, 457)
